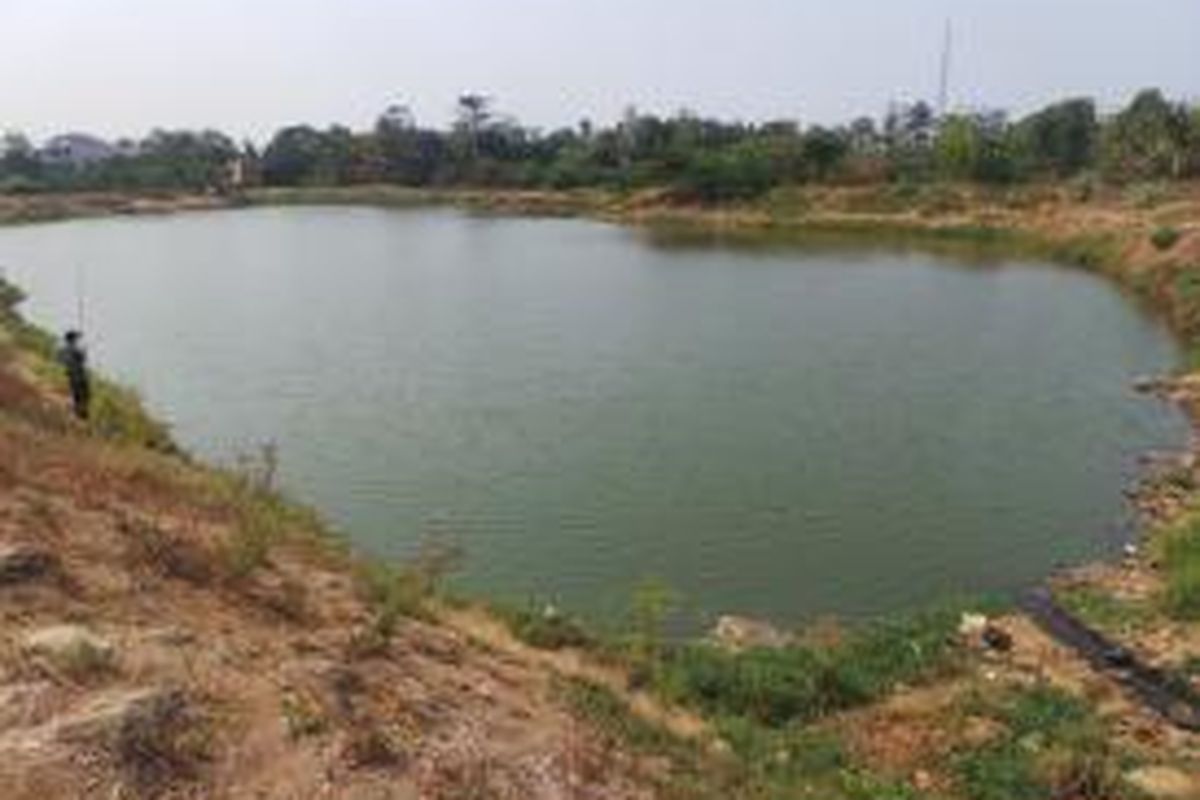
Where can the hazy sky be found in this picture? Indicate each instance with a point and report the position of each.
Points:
(120, 67)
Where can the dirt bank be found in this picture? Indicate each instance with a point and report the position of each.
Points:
(18, 209)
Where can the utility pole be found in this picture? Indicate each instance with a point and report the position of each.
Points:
(944, 83)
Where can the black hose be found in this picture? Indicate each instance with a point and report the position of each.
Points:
(1165, 694)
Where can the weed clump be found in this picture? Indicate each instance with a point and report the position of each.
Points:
(650, 606)
(261, 517)
(394, 592)
(1054, 746)
(254, 533)
(117, 413)
(1146, 195)
(1180, 558)
(164, 740)
(1102, 610)
(301, 717)
(369, 746)
(1164, 238)
(152, 548)
(1091, 251)
(777, 687)
(747, 761)
(546, 628)
(85, 662)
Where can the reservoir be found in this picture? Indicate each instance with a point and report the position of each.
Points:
(783, 429)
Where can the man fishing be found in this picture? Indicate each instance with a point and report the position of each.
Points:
(73, 357)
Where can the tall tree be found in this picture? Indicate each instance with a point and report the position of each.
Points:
(1059, 140)
(474, 111)
(1147, 140)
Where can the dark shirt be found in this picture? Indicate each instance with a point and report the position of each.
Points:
(74, 360)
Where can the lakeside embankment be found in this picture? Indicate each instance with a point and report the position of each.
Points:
(280, 649)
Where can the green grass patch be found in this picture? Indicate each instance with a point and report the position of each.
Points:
(797, 684)
(1148, 195)
(1164, 237)
(1091, 251)
(257, 527)
(1186, 285)
(611, 715)
(544, 627)
(1101, 610)
(1179, 554)
(396, 591)
(1053, 746)
(759, 764)
(801, 762)
(117, 413)
(692, 773)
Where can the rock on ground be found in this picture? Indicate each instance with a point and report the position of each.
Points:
(20, 563)
(1165, 782)
(122, 717)
(71, 647)
(740, 633)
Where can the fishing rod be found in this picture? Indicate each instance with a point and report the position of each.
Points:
(79, 295)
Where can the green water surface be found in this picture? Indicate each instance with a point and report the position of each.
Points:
(775, 429)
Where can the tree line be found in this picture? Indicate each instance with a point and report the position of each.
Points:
(698, 158)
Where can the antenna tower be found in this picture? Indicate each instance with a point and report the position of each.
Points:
(944, 83)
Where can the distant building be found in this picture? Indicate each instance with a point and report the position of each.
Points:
(127, 148)
(235, 172)
(76, 149)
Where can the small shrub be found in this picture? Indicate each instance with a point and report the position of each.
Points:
(261, 517)
(789, 755)
(167, 743)
(368, 747)
(1164, 238)
(1180, 557)
(1054, 747)
(301, 717)
(862, 785)
(899, 651)
(394, 592)
(775, 687)
(650, 606)
(738, 173)
(789, 200)
(260, 469)
(999, 772)
(905, 191)
(286, 596)
(1092, 251)
(1087, 769)
(117, 413)
(84, 662)
(1046, 711)
(612, 716)
(1084, 187)
(1186, 285)
(771, 687)
(937, 199)
(547, 628)
(1146, 195)
(152, 548)
(1189, 668)
(255, 531)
